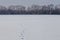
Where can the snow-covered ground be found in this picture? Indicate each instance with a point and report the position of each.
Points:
(30, 27)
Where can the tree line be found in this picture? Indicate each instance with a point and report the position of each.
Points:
(33, 10)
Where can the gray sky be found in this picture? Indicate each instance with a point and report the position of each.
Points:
(28, 2)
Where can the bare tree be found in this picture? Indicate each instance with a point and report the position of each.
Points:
(51, 8)
(35, 7)
(16, 7)
(3, 7)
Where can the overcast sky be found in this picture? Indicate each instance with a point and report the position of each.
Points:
(28, 2)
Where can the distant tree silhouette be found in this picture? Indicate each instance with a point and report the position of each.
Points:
(32, 10)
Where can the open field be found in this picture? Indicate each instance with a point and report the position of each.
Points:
(35, 27)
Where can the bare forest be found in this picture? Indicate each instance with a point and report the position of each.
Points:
(33, 9)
